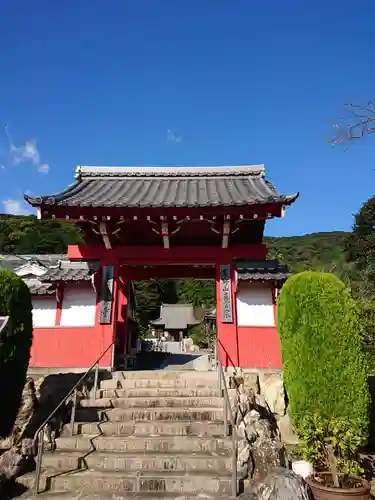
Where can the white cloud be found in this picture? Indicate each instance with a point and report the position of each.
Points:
(16, 207)
(43, 168)
(28, 152)
(173, 137)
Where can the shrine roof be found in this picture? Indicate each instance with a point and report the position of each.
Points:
(164, 187)
(263, 270)
(37, 287)
(176, 316)
(71, 271)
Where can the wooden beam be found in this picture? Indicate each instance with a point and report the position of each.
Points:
(226, 232)
(155, 255)
(165, 234)
(171, 272)
(104, 233)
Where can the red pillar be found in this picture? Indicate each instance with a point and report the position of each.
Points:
(121, 326)
(107, 331)
(227, 338)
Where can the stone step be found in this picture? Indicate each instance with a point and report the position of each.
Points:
(164, 374)
(113, 482)
(159, 402)
(69, 495)
(158, 383)
(184, 392)
(123, 462)
(155, 414)
(145, 428)
(140, 444)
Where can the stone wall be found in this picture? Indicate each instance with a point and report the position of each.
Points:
(260, 403)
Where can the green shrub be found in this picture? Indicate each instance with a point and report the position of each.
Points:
(325, 370)
(15, 344)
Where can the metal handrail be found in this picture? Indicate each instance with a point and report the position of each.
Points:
(228, 412)
(39, 434)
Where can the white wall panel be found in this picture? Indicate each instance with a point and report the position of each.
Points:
(44, 312)
(79, 306)
(254, 305)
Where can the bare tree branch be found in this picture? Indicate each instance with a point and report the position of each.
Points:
(357, 123)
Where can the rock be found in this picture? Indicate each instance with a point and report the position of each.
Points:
(272, 388)
(251, 382)
(28, 408)
(12, 463)
(266, 454)
(282, 484)
(287, 432)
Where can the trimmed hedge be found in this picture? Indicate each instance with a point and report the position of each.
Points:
(325, 370)
(15, 344)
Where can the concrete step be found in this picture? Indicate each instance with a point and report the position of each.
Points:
(150, 414)
(158, 402)
(140, 444)
(69, 495)
(158, 383)
(145, 428)
(68, 461)
(184, 392)
(164, 374)
(172, 482)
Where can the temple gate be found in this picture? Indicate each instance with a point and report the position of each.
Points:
(177, 222)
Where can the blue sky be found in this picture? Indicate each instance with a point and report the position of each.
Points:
(134, 82)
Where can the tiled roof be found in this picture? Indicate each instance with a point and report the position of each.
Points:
(145, 187)
(71, 271)
(263, 270)
(13, 262)
(176, 316)
(38, 288)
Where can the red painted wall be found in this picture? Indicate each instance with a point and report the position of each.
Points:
(67, 347)
(248, 346)
(257, 347)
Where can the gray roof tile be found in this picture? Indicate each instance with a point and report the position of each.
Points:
(13, 262)
(71, 271)
(263, 270)
(145, 187)
(38, 288)
(176, 316)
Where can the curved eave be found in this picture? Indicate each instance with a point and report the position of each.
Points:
(50, 200)
(290, 199)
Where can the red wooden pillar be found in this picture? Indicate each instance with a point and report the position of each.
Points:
(121, 327)
(107, 329)
(226, 324)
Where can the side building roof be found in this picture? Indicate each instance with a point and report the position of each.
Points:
(166, 187)
(176, 316)
(262, 270)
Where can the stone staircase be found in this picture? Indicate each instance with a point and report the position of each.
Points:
(149, 434)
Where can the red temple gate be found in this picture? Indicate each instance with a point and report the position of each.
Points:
(178, 222)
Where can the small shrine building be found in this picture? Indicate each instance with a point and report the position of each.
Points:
(166, 222)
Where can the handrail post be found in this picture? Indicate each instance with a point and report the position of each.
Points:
(38, 463)
(234, 462)
(39, 433)
(73, 413)
(96, 379)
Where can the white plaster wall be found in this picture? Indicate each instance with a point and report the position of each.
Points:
(254, 305)
(79, 305)
(44, 312)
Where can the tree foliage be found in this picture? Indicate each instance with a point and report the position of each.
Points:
(324, 365)
(15, 344)
(28, 235)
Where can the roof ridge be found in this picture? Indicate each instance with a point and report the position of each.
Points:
(174, 171)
